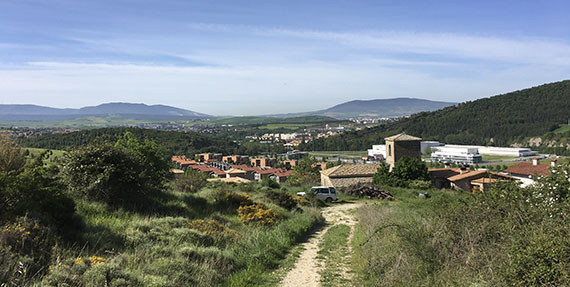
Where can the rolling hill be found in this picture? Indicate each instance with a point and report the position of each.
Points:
(122, 110)
(396, 107)
(500, 120)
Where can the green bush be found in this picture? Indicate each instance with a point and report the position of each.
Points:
(125, 172)
(191, 181)
(11, 155)
(420, 184)
(268, 182)
(282, 199)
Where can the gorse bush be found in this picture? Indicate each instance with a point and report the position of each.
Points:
(214, 228)
(227, 198)
(257, 214)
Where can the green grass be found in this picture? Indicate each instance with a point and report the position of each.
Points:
(487, 158)
(332, 252)
(152, 243)
(285, 126)
(80, 123)
(345, 153)
(562, 129)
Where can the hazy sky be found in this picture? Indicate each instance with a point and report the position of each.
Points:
(258, 57)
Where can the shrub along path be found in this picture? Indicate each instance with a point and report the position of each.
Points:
(308, 268)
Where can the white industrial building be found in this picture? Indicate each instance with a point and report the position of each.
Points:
(502, 151)
(424, 145)
(456, 154)
(377, 150)
(380, 149)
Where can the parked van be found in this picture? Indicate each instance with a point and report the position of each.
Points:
(325, 193)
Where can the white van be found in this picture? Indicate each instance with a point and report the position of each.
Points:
(325, 193)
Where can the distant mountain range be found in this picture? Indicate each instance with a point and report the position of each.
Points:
(369, 108)
(122, 110)
(395, 107)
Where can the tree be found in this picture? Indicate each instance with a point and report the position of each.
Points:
(127, 171)
(305, 173)
(410, 168)
(11, 155)
(405, 171)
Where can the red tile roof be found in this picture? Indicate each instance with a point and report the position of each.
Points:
(526, 168)
(443, 172)
(467, 174)
(269, 171)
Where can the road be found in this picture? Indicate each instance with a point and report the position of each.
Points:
(307, 268)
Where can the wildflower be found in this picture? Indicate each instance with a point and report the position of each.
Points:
(95, 260)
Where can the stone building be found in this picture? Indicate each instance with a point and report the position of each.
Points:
(401, 145)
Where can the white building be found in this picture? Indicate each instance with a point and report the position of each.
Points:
(501, 151)
(424, 145)
(379, 149)
(456, 154)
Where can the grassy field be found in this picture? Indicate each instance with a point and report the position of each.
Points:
(254, 120)
(491, 158)
(179, 239)
(562, 129)
(345, 153)
(80, 123)
(285, 126)
(496, 238)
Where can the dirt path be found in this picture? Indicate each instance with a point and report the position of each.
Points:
(306, 270)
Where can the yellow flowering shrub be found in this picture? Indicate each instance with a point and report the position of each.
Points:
(212, 227)
(257, 214)
(230, 198)
(16, 228)
(95, 260)
(300, 200)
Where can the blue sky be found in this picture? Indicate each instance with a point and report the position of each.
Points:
(260, 57)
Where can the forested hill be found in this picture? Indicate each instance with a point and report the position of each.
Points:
(174, 142)
(499, 120)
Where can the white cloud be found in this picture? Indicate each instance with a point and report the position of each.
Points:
(261, 71)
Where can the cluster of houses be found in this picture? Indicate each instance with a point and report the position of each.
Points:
(239, 168)
(232, 168)
(236, 168)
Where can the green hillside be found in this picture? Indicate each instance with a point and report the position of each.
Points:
(257, 120)
(499, 120)
(174, 142)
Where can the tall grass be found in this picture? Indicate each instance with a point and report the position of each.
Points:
(503, 237)
(160, 242)
(262, 248)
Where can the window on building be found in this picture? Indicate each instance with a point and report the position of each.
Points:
(389, 150)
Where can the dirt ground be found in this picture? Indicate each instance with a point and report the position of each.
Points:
(306, 269)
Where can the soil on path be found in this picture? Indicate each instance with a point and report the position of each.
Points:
(306, 269)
